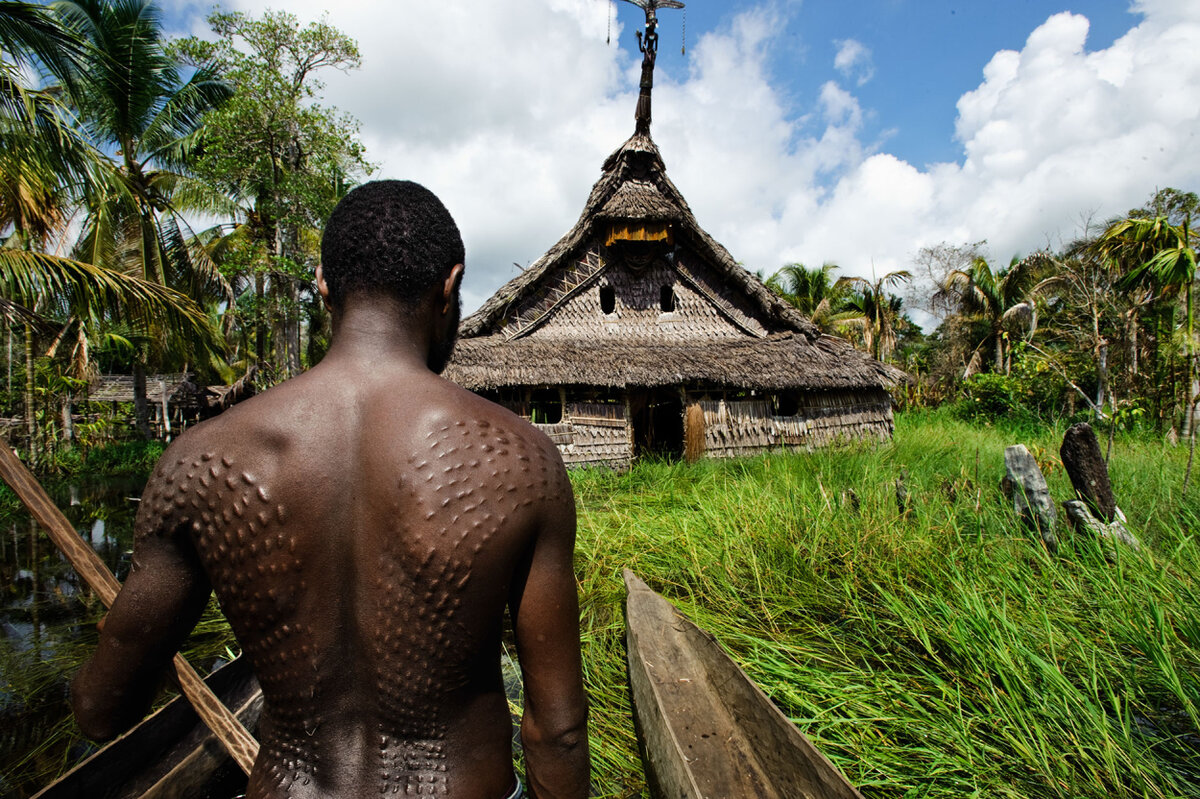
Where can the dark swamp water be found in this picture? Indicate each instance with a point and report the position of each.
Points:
(47, 625)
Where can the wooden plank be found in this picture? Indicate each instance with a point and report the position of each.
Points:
(240, 743)
(705, 729)
(146, 755)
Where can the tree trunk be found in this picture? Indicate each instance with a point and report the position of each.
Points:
(292, 299)
(260, 323)
(165, 409)
(1133, 344)
(141, 410)
(30, 411)
(278, 325)
(999, 352)
(293, 329)
(1187, 475)
(1189, 410)
(68, 422)
(1102, 382)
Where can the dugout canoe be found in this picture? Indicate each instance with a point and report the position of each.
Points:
(705, 730)
(171, 754)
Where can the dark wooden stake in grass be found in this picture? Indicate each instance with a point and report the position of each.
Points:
(1089, 474)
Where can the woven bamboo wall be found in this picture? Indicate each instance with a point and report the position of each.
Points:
(592, 434)
(637, 313)
(743, 427)
(708, 282)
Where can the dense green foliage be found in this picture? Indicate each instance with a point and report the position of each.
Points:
(105, 122)
(1103, 326)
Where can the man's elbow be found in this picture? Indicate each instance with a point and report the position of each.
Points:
(559, 737)
(93, 723)
(99, 721)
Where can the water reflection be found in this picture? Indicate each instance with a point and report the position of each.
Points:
(47, 624)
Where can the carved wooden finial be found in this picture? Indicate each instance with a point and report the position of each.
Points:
(648, 45)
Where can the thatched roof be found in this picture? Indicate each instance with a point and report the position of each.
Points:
(119, 388)
(634, 186)
(503, 343)
(780, 361)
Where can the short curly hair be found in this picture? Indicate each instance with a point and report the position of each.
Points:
(393, 236)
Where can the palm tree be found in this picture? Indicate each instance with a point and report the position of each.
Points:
(878, 313)
(135, 103)
(813, 292)
(996, 298)
(1166, 259)
(46, 166)
(803, 287)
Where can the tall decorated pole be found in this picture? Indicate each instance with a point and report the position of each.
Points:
(648, 45)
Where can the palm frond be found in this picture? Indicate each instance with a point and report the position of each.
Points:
(30, 36)
(91, 291)
(170, 135)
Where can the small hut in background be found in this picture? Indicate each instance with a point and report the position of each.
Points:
(174, 400)
(638, 333)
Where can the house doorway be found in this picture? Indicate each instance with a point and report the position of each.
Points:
(657, 418)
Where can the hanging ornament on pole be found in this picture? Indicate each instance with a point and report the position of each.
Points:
(683, 38)
(609, 7)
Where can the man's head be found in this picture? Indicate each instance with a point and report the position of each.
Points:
(393, 237)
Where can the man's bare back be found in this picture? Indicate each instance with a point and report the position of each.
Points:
(365, 526)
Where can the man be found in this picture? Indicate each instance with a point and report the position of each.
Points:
(364, 526)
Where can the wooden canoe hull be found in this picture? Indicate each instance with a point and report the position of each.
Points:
(171, 754)
(706, 731)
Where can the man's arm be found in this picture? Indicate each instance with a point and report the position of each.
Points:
(159, 604)
(545, 611)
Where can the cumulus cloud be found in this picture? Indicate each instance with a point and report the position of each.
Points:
(854, 61)
(1052, 132)
(508, 110)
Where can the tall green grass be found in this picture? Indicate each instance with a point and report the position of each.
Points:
(936, 652)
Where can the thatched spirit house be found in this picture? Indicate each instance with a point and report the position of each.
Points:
(638, 333)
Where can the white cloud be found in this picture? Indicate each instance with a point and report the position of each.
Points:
(1052, 133)
(854, 61)
(508, 110)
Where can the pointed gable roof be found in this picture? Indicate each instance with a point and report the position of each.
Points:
(544, 328)
(633, 186)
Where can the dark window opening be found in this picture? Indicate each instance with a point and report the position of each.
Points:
(608, 299)
(787, 404)
(545, 406)
(666, 299)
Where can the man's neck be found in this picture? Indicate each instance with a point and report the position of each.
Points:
(381, 330)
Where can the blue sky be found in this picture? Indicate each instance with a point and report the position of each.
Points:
(799, 130)
(924, 54)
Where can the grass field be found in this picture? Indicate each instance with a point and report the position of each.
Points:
(938, 652)
(935, 652)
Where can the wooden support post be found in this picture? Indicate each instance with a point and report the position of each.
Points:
(166, 409)
(229, 731)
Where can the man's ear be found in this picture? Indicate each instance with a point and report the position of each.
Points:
(323, 289)
(450, 287)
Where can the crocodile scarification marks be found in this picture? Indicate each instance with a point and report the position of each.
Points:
(455, 497)
(449, 513)
(239, 534)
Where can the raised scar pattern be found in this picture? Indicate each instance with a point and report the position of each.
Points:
(452, 502)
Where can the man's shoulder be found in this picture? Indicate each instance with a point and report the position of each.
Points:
(507, 424)
(257, 428)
